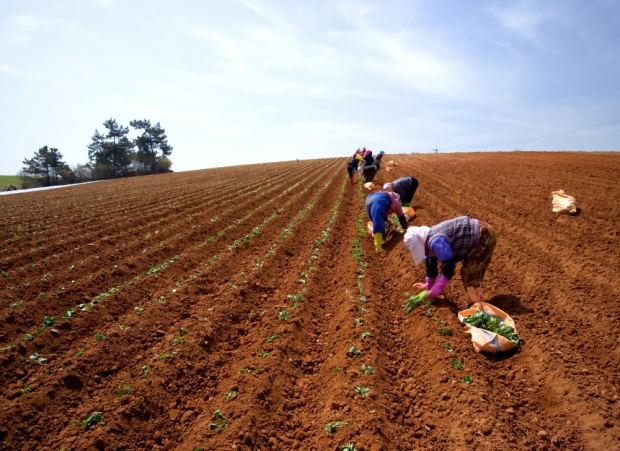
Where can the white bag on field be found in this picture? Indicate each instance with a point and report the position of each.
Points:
(563, 203)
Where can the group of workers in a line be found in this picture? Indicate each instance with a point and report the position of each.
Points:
(462, 239)
(365, 163)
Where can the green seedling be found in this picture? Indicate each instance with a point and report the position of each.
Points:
(359, 321)
(263, 354)
(79, 353)
(439, 320)
(122, 326)
(367, 370)
(295, 297)
(337, 370)
(48, 371)
(36, 358)
(7, 347)
(365, 335)
(93, 419)
(99, 336)
(29, 337)
(273, 338)
(220, 424)
(244, 370)
(124, 389)
(363, 299)
(348, 447)
(355, 352)
(454, 363)
(25, 389)
(16, 305)
(231, 393)
(49, 321)
(168, 355)
(283, 315)
(138, 310)
(429, 311)
(145, 372)
(183, 331)
(415, 301)
(331, 427)
(444, 331)
(363, 310)
(447, 347)
(362, 391)
(468, 380)
(179, 340)
(69, 314)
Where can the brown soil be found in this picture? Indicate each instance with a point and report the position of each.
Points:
(188, 276)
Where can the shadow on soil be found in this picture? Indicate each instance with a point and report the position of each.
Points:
(510, 304)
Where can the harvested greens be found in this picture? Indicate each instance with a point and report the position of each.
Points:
(485, 321)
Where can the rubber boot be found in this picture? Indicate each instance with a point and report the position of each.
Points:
(379, 242)
(351, 180)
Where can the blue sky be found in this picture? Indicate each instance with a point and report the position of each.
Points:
(249, 81)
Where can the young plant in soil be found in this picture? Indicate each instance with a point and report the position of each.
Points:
(367, 370)
(220, 424)
(454, 363)
(263, 354)
(99, 336)
(69, 314)
(231, 393)
(332, 427)
(273, 338)
(337, 370)
(444, 331)
(364, 335)
(79, 353)
(49, 321)
(93, 419)
(25, 389)
(348, 447)
(362, 391)
(145, 372)
(447, 347)
(468, 380)
(124, 389)
(353, 351)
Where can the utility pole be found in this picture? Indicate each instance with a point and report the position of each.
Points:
(435, 149)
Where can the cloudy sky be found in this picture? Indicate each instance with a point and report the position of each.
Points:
(267, 80)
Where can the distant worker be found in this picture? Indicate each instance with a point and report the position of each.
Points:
(379, 206)
(461, 239)
(352, 166)
(369, 170)
(405, 187)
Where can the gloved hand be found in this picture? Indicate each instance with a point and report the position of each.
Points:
(403, 222)
(438, 287)
(427, 285)
(379, 242)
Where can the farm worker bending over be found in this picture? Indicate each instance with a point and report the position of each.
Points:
(405, 187)
(379, 206)
(352, 166)
(461, 239)
(369, 170)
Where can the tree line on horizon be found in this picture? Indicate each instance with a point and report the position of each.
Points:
(111, 155)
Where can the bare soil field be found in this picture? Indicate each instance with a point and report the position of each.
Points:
(245, 308)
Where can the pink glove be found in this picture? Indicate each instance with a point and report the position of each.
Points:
(438, 287)
(425, 286)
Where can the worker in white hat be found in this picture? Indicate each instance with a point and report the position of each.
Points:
(461, 239)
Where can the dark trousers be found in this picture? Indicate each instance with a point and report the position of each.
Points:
(411, 191)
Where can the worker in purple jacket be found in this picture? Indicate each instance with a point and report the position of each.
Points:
(379, 206)
(463, 239)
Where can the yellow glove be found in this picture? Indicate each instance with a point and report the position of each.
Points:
(379, 242)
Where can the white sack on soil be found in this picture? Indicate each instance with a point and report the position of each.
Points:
(563, 203)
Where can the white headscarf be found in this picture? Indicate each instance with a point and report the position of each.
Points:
(414, 239)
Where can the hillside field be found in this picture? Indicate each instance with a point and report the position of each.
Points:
(239, 308)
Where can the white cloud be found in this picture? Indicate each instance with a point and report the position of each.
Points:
(24, 22)
(522, 20)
